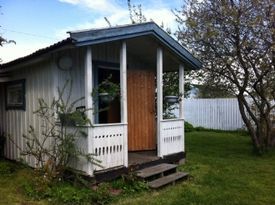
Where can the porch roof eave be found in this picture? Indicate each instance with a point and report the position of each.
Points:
(98, 36)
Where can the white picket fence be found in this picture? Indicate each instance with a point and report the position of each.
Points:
(218, 113)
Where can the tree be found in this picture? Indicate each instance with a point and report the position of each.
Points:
(4, 41)
(209, 90)
(235, 41)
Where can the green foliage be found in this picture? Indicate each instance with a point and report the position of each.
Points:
(188, 127)
(55, 145)
(130, 184)
(102, 194)
(67, 194)
(60, 192)
(171, 84)
(209, 90)
(39, 188)
(235, 41)
(107, 87)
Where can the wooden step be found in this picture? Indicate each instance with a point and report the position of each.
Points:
(156, 170)
(172, 178)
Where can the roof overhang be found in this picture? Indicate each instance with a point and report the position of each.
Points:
(97, 36)
(36, 56)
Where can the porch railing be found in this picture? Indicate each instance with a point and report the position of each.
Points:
(171, 136)
(110, 145)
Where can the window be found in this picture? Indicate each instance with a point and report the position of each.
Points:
(15, 95)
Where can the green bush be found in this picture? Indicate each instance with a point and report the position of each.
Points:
(188, 127)
(130, 184)
(200, 128)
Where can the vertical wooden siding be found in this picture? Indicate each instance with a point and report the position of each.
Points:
(42, 80)
(141, 110)
(222, 114)
(15, 123)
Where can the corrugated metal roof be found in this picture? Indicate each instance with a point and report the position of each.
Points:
(97, 36)
(38, 53)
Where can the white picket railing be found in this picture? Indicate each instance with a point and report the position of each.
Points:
(171, 136)
(109, 143)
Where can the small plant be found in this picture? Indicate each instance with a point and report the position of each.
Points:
(188, 127)
(130, 184)
(171, 94)
(107, 90)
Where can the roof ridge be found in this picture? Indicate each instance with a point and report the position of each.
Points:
(112, 27)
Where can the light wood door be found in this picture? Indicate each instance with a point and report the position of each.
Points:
(141, 110)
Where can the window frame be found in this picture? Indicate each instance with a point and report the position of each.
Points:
(22, 105)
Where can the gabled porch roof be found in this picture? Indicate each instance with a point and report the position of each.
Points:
(97, 36)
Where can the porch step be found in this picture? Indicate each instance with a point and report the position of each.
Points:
(172, 178)
(160, 169)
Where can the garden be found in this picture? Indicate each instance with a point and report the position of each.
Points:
(222, 167)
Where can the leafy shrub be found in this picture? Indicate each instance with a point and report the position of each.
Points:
(200, 128)
(55, 146)
(188, 127)
(130, 184)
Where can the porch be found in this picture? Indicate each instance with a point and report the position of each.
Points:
(140, 127)
(133, 131)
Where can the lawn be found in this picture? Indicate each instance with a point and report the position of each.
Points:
(12, 178)
(222, 170)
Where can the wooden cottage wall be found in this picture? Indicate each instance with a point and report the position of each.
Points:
(74, 75)
(108, 52)
(15, 123)
(2, 107)
(103, 53)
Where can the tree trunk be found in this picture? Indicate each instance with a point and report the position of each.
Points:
(261, 131)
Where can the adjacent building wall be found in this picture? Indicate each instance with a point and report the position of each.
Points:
(15, 123)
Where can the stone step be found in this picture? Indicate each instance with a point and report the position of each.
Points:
(172, 178)
(156, 170)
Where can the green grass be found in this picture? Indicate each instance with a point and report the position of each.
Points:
(12, 177)
(223, 171)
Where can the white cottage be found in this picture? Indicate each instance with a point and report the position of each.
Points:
(132, 131)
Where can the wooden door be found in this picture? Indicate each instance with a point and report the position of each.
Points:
(141, 110)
